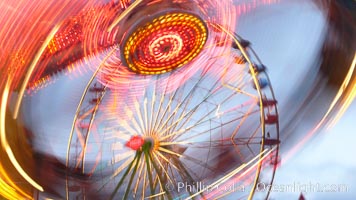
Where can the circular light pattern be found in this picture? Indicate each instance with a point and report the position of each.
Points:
(165, 43)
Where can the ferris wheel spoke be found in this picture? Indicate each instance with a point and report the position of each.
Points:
(163, 124)
(97, 160)
(179, 166)
(139, 177)
(133, 128)
(250, 110)
(122, 167)
(140, 125)
(204, 132)
(182, 117)
(186, 101)
(199, 162)
(161, 101)
(166, 159)
(254, 134)
(163, 168)
(156, 180)
(172, 171)
(188, 128)
(203, 144)
(178, 116)
(144, 184)
(169, 152)
(160, 121)
(204, 116)
(122, 156)
(241, 91)
(187, 117)
(146, 127)
(175, 97)
(120, 135)
(184, 173)
(127, 127)
(235, 108)
(161, 180)
(153, 101)
(133, 174)
(124, 175)
(238, 151)
(185, 156)
(155, 120)
(251, 150)
(149, 174)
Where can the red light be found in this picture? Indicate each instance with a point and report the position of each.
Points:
(135, 142)
(165, 43)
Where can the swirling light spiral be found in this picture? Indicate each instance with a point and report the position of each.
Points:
(165, 43)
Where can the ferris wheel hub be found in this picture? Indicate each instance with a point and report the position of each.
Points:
(138, 143)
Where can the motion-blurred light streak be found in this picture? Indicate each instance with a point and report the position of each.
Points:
(31, 68)
(4, 142)
(232, 180)
(8, 187)
(256, 82)
(341, 104)
(195, 106)
(123, 14)
(228, 176)
(348, 96)
(77, 113)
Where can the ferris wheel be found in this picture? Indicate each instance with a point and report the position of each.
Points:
(181, 108)
(178, 106)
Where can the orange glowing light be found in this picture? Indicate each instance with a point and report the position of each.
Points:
(165, 43)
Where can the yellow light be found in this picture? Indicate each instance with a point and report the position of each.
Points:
(9, 189)
(154, 65)
(4, 142)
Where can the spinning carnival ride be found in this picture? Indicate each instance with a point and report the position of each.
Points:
(177, 106)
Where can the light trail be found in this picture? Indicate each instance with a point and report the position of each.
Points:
(156, 195)
(247, 171)
(123, 14)
(253, 73)
(31, 68)
(96, 108)
(77, 113)
(233, 173)
(349, 98)
(4, 142)
(8, 187)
